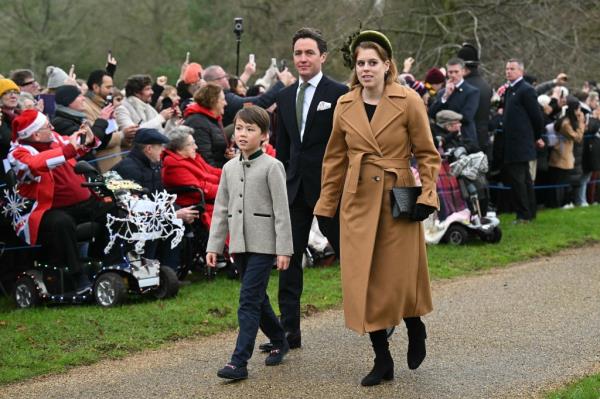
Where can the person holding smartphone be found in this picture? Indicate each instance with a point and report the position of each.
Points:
(70, 117)
(60, 200)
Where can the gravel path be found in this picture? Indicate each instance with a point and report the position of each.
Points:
(508, 333)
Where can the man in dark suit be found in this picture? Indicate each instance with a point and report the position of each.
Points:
(461, 97)
(523, 124)
(305, 117)
(469, 54)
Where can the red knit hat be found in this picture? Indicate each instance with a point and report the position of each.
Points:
(192, 73)
(27, 123)
(434, 75)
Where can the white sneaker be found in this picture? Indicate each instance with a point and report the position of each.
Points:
(584, 205)
(568, 206)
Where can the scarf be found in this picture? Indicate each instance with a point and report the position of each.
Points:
(80, 116)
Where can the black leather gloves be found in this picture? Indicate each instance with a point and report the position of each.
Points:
(421, 212)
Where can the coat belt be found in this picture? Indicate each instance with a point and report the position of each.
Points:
(386, 164)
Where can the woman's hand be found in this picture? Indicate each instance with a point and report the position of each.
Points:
(283, 262)
(324, 224)
(211, 259)
(421, 212)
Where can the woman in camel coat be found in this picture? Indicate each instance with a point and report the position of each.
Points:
(377, 127)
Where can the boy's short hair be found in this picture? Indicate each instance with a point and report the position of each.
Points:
(255, 115)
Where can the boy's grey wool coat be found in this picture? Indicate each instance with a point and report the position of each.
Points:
(252, 206)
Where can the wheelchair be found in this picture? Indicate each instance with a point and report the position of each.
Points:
(195, 242)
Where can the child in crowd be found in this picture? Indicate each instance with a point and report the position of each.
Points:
(252, 206)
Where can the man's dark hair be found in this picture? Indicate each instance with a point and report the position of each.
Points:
(96, 77)
(254, 115)
(456, 61)
(19, 76)
(136, 83)
(311, 33)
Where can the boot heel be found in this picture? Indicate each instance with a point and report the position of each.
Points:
(389, 375)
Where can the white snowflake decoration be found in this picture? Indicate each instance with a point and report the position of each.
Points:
(146, 220)
(14, 205)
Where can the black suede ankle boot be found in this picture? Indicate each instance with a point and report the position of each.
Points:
(416, 342)
(383, 369)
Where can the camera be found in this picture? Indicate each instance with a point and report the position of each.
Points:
(238, 25)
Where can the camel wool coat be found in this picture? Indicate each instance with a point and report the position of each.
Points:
(383, 260)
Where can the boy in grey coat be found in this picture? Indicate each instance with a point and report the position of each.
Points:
(252, 206)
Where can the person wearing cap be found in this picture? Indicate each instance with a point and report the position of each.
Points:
(434, 81)
(43, 162)
(9, 101)
(446, 129)
(378, 126)
(448, 126)
(459, 96)
(469, 54)
(70, 115)
(143, 166)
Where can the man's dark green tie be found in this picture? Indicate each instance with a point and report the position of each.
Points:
(300, 104)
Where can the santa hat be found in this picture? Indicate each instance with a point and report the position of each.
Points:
(27, 123)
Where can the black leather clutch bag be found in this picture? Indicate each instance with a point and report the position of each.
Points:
(404, 200)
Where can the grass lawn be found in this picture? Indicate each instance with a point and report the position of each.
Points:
(588, 388)
(52, 339)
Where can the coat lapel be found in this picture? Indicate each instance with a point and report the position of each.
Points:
(291, 115)
(310, 117)
(356, 117)
(388, 109)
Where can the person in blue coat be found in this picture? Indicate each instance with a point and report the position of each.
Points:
(523, 127)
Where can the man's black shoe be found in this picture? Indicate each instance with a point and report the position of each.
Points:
(276, 355)
(231, 372)
(266, 347)
(294, 339)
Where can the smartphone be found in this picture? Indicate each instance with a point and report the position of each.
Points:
(274, 62)
(72, 70)
(187, 57)
(109, 99)
(251, 58)
(82, 139)
(109, 52)
(167, 103)
(282, 65)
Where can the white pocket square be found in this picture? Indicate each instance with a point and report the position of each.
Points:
(323, 105)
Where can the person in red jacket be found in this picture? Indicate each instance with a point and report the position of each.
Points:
(183, 166)
(43, 162)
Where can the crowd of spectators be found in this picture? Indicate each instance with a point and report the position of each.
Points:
(541, 140)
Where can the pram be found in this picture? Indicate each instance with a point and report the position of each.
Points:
(464, 194)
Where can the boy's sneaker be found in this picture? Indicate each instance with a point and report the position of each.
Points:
(276, 355)
(232, 372)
